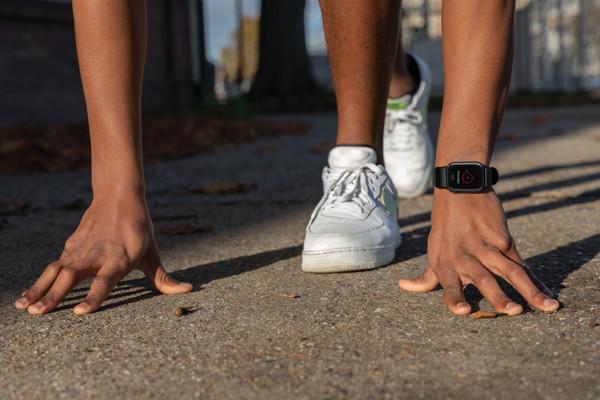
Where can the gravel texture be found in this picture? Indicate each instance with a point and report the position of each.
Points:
(260, 328)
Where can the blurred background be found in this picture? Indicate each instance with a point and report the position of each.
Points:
(205, 60)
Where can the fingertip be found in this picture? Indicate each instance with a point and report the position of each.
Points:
(186, 287)
(551, 305)
(405, 283)
(461, 308)
(175, 287)
(21, 304)
(82, 309)
(513, 309)
(35, 309)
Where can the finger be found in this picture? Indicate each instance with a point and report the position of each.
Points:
(66, 280)
(159, 278)
(513, 255)
(101, 287)
(40, 287)
(539, 284)
(489, 288)
(164, 283)
(426, 282)
(516, 275)
(453, 291)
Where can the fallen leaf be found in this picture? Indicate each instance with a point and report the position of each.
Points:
(77, 204)
(184, 230)
(538, 119)
(14, 205)
(299, 355)
(508, 137)
(483, 314)
(267, 149)
(289, 296)
(474, 331)
(173, 217)
(180, 311)
(322, 147)
(221, 188)
(593, 324)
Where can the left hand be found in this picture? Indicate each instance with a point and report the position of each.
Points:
(469, 243)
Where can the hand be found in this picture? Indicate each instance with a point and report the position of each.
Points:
(114, 237)
(469, 242)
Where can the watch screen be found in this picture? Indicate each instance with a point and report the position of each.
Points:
(465, 177)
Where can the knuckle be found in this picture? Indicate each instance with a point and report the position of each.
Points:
(34, 290)
(51, 295)
(54, 267)
(93, 300)
(484, 280)
(68, 273)
(105, 280)
(452, 290)
(535, 294)
(505, 244)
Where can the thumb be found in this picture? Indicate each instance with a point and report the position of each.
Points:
(158, 277)
(426, 282)
(164, 283)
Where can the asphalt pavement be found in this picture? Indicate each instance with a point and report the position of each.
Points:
(258, 327)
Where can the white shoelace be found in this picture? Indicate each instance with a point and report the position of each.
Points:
(401, 129)
(351, 191)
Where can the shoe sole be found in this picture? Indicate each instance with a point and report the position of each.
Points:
(348, 260)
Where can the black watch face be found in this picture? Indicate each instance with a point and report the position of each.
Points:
(466, 177)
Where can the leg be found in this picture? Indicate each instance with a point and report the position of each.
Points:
(115, 234)
(355, 226)
(402, 82)
(469, 240)
(361, 56)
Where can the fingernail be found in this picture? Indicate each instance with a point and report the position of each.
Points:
(22, 302)
(550, 303)
(405, 280)
(184, 284)
(81, 307)
(37, 306)
(511, 305)
(462, 306)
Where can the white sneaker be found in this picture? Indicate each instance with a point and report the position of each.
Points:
(355, 225)
(407, 148)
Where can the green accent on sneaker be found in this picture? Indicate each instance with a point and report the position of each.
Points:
(397, 105)
(389, 201)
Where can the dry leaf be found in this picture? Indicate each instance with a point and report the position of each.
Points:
(289, 296)
(221, 188)
(184, 230)
(9, 207)
(483, 314)
(174, 217)
(77, 204)
(267, 149)
(538, 119)
(299, 355)
(180, 311)
(322, 147)
(508, 137)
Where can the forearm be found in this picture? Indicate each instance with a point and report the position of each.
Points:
(478, 51)
(111, 46)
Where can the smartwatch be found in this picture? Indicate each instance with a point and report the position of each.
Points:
(464, 177)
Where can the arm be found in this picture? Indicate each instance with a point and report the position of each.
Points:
(469, 240)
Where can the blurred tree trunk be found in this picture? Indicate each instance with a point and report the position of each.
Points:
(283, 66)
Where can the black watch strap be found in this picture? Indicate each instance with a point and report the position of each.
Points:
(440, 177)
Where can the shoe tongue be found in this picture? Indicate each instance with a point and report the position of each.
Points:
(399, 103)
(351, 157)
